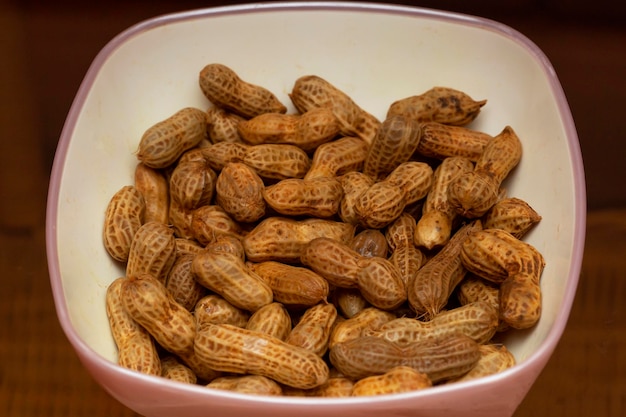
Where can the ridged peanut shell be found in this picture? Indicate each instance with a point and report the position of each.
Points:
(153, 251)
(239, 191)
(124, 215)
(317, 197)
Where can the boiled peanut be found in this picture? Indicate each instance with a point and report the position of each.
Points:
(227, 243)
(180, 220)
(473, 288)
(239, 190)
(154, 188)
(214, 309)
(336, 386)
(440, 141)
(396, 380)
(414, 178)
(210, 222)
(349, 301)
(513, 215)
(163, 143)
(232, 349)
(186, 246)
(172, 368)
(182, 284)
(224, 88)
(123, 217)
(307, 130)
(313, 330)
(368, 319)
(354, 184)
(277, 161)
(247, 384)
(404, 254)
(370, 242)
(338, 157)
(379, 205)
(222, 126)
(439, 104)
(135, 346)
(317, 197)
(312, 91)
(493, 359)
(221, 154)
(192, 184)
(272, 319)
(153, 251)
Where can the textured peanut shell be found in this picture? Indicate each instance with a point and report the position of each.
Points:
(192, 184)
(153, 251)
(312, 331)
(222, 125)
(513, 215)
(210, 222)
(239, 191)
(317, 197)
(214, 309)
(354, 184)
(247, 384)
(396, 380)
(338, 157)
(154, 188)
(441, 141)
(221, 154)
(277, 161)
(379, 205)
(182, 284)
(272, 319)
(124, 215)
(172, 368)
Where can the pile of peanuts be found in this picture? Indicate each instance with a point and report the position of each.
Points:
(321, 253)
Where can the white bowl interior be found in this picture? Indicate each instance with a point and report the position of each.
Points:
(150, 71)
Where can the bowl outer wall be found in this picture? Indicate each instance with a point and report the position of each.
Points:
(499, 394)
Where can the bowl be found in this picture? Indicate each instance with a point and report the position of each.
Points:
(376, 53)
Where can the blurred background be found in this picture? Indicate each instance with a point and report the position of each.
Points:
(46, 49)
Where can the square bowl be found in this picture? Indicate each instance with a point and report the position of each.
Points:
(376, 53)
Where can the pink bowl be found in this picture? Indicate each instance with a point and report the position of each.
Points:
(376, 53)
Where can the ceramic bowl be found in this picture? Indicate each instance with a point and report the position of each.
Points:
(376, 53)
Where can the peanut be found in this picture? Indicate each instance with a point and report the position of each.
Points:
(222, 126)
(182, 284)
(292, 285)
(493, 359)
(163, 143)
(172, 368)
(224, 88)
(192, 184)
(272, 319)
(473, 288)
(214, 309)
(440, 141)
(123, 217)
(440, 358)
(396, 380)
(186, 246)
(180, 219)
(227, 243)
(368, 319)
(313, 330)
(239, 190)
(472, 194)
(430, 288)
(318, 197)
(404, 254)
(394, 143)
(247, 384)
(513, 215)
(153, 251)
(354, 184)
(439, 104)
(277, 161)
(434, 227)
(338, 157)
(210, 222)
(221, 154)
(232, 349)
(414, 178)
(379, 205)
(349, 301)
(307, 131)
(311, 92)
(284, 239)
(370, 242)
(335, 387)
(153, 187)
(135, 346)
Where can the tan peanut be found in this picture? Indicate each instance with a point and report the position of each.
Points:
(172, 368)
(192, 184)
(164, 142)
(135, 346)
(513, 215)
(292, 285)
(439, 104)
(154, 188)
(338, 157)
(153, 251)
(474, 193)
(221, 154)
(369, 319)
(354, 184)
(430, 288)
(186, 246)
(312, 331)
(440, 141)
(379, 205)
(404, 254)
(277, 161)
(349, 301)
(210, 222)
(473, 288)
(493, 359)
(396, 380)
(517, 264)
(239, 190)
(272, 319)
(227, 243)
(214, 309)
(307, 130)
(180, 220)
(123, 217)
(247, 384)
(284, 239)
(227, 275)
(440, 358)
(232, 349)
(370, 242)
(434, 227)
(378, 279)
(317, 197)
(182, 284)
(224, 88)
(394, 143)
(414, 178)
(477, 320)
(222, 125)
(312, 91)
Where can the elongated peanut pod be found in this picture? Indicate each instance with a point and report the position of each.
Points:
(396, 380)
(440, 141)
(222, 125)
(338, 157)
(123, 217)
(277, 161)
(369, 319)
(353, 184)
(153, 251)
(214, 309)
(172, 368)
(247, 384)
(318, 197)
(224, 88)
(512, 214)
(239, 190)
(154, 188)
(232, 349)
(312, 331)
(220, 154)
(182, 283)
(272, 319)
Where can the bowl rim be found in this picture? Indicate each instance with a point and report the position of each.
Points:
(536, 359)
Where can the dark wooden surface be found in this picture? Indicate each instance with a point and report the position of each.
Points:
(45, 52)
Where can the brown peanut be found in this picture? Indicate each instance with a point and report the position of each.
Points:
(284, 239)
(192, 184)
(214, 309)
(135, 346)
(440, 141)
(163, 143)
(493, 359)
(224, 88)
(349, 301)
(186, 246)
(396, 380)
(379, 205)
(473, 288)
(354, 184)
(277, 161)
(239, 190)
(153, 251)
(123, 217)
(434, 227)
(221, 154)
(182, 284)
(307, 131)
(172, 368)
(404, 254)
(513, 215)
(414, 178)
(232, 349)
(369, 319)
(210, 222)
(439, 104)
(227, 243)
(272, 319)
(473, 193)
(370, 242)
(222, 126)
(154, 188)
(311, 92)
(247, 384)
(317, 197)
(180, 220)
(338, 157)
(430, 288)
(313, 329)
